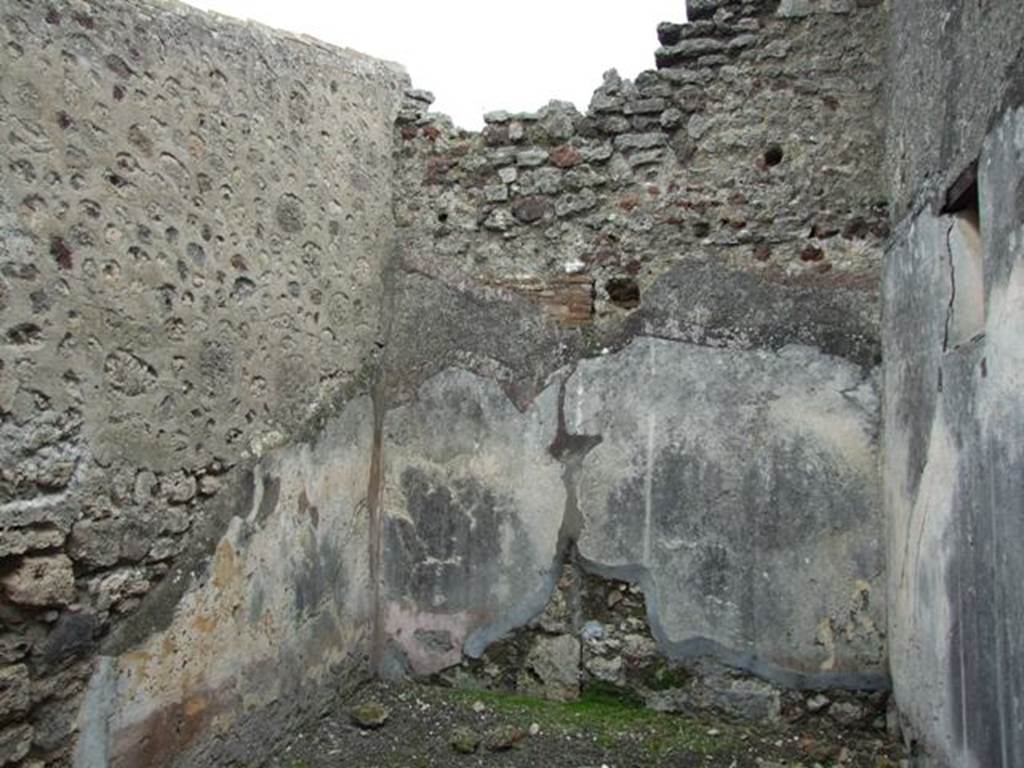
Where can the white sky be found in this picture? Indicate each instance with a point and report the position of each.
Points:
(478, 56)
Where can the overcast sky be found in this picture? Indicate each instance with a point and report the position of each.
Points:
(478, 56)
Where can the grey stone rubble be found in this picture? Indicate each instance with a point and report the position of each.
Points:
(299, 383)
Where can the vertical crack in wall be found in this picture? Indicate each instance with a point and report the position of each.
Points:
(378, 394)
(952, 290)
(391, 269)
(374, 509)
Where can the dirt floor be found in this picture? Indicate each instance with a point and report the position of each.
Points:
(432, 726)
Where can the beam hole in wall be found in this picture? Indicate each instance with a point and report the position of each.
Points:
(623, 292)
(773, 155)
(61, 252)
(965, 319)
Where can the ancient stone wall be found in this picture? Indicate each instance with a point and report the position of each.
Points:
(297, 376)
(194, 218)
(672, 301)
(755, 149)
(954, 308)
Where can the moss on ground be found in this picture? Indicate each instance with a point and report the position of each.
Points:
(611, 718)
(661, 676)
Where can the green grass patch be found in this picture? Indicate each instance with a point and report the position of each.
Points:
(613, 718)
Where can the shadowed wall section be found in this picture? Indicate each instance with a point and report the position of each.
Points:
(954, 309)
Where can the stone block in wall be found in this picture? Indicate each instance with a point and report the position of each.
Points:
(634, 141)
(71, 635)
(696, 10)
(565, 156)
(18, 541)
(529, 210)
(14, 646)
(104, 542)
(41, 580)
(797, 9)
(15, 691)
(688, 50)
(15, 743)
(55, 725)
(552, 668)
(714, 688)
(669, 32)
(531, 157)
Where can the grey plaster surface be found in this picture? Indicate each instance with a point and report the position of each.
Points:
(955, 67)
(474, 506)
(953, 436)
(740, 488)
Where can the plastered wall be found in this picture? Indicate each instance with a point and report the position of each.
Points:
(677, 290)
(953, 313)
